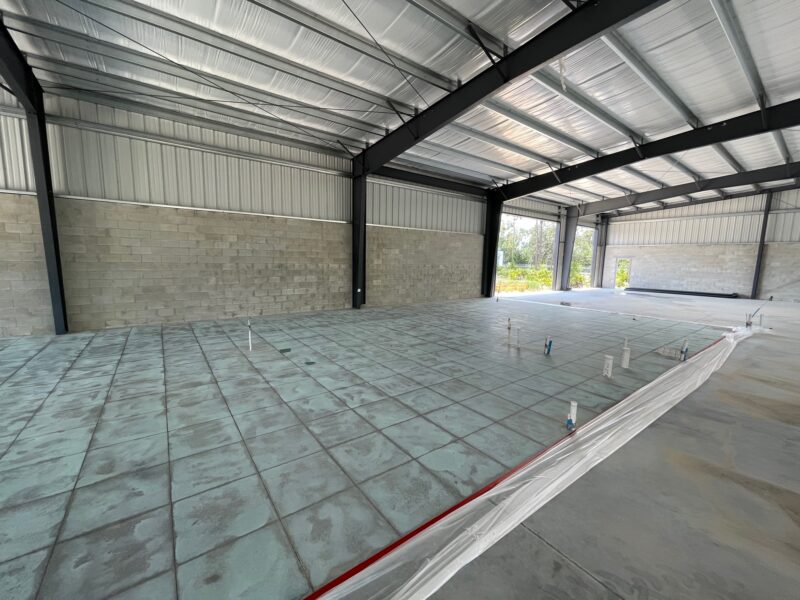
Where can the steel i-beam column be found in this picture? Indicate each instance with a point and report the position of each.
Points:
(491, 237)
(20, 78)
(761, 242)
(570, 229)
(359, 240)
(37, 137)
(600, 252)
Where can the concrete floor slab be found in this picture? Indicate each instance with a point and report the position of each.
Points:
(408, 495)
(303, 482)
(100, 563)
(219, 515)
(416, 406)
(260, 565)
(337, 533)
(368, 456)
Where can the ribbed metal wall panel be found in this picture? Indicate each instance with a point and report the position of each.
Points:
(116, 154)
(754, 203)
(784, 222)
(117, 167)
(15, 165)
(528, 207)
(398, 204)
(130, 120)
(735, 221)
(719, 229)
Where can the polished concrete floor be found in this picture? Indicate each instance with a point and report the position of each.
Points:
(704, 504)
(152, 461)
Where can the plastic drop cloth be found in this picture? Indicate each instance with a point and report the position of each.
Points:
(422, 563)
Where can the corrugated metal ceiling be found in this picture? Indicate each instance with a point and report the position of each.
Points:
(309, 70)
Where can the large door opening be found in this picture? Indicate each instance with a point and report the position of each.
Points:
(622, 273)
(525, 254)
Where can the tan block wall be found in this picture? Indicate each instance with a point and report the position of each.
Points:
(24, 292)
(406, 266)
(131, 264)
(717, 268)
(780, 272)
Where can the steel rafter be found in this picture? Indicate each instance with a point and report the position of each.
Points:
(772, 119)
(765, 175)
(730, 25)
(574, 29)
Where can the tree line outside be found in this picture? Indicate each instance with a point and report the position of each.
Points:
(527, 247)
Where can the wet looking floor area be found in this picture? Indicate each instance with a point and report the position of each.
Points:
(155, 462)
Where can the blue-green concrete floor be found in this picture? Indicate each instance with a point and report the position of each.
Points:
(154, 462)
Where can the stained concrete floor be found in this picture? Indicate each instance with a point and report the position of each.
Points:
(705, 503)
(150, 462)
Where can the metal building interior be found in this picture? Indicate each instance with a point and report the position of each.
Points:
(194, 196)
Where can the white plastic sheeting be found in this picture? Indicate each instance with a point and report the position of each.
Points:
(422, 564)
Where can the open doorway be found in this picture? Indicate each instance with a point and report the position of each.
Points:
(622, 273)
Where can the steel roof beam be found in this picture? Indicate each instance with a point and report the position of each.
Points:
(550, 81)
(646, 73)
(696, 201)
(429, 180)
(574, 29)
(730, 25)
(522, 151)
(777, 173)
(65, 70)
(774, 118)
(554, 134)
(74, 39)
(459, 24)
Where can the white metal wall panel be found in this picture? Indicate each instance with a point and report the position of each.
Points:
(118, 166)
(784, 221)
(115, 154)
(735, 221)
(127, 119)
(397, 204)
(720, 229)
(528, 207)
(15, 166)
(754, 203)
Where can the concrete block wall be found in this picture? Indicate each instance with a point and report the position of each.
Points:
(719, 268)
(131, 264)
(24, 292)
(406, 266)
(781, 272)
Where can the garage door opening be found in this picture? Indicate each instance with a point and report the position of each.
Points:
(525, 255)
(580, 270)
